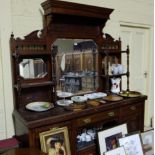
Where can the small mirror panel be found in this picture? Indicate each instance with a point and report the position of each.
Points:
(32, 68)
(76, 65)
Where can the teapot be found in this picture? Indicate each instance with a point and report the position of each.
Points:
(115, 88)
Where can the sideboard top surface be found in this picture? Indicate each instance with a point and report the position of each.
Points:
(59, 114)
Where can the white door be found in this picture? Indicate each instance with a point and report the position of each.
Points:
(2, 108)
(138, 40)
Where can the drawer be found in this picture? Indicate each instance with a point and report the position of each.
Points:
(102, 116)
(131, 109)
(87, 151)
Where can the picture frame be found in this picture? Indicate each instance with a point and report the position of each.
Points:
(117, 151)
(108, 139)
(55, 140)
(132, 144)
(148, 142)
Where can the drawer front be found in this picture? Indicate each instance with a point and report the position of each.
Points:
(111, 114)
(88, 151)
(131, 109)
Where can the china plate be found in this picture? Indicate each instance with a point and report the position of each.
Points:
(130, 94)
(39, 106)
(64, 102)
(79, 99)
(113, 98)
(64, 94)
(95, 95)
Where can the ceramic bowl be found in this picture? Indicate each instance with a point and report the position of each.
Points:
(79, 99)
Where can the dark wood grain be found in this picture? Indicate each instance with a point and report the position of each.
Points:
(70, 21)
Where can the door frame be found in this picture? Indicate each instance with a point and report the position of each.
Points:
(150, 89)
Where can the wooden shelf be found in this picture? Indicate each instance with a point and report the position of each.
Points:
(31, 53)
(118, 75)
(38, 84)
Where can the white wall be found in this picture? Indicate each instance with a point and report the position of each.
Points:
(24, 16)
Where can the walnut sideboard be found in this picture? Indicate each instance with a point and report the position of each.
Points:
(29, 124)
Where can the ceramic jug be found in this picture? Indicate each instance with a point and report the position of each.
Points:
(115, 88)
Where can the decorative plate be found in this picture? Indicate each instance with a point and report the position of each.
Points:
(130, 94)
(79, 99)
(39, 106)
(95, 95)
(64, 94)
(113, 98)
(64, 102)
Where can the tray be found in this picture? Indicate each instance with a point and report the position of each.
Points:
(76, 107)
(112, 98)
(130, 94)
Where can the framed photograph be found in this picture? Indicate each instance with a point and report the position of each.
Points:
(117, 151)
(132, 144)
(55, 141)
(108, 139)
(148, 142)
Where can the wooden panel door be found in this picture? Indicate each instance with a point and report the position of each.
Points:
(138, 39)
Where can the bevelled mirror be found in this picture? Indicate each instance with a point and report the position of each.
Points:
(32, 68)
(76, 65)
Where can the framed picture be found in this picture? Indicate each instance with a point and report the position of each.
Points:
(117, 151)
(108, 139)
(132, 144)
(55, 141)
(148, 142)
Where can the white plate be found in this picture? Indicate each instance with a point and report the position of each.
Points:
(79, 99)
(64, 94)
(39, 106)
(64, 102)
(95, 95)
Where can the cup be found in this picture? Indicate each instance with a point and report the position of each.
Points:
(83, 137)
(120, 69)
(88, 138)
(91, 133)
(114, 69)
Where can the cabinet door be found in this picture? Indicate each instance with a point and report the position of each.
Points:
(133, 115)
(133, 123)
(34, 139)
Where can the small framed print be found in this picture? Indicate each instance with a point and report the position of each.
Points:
(132, 144)
(117, 151)
(108, 139)
(55, 141)
(148, 142)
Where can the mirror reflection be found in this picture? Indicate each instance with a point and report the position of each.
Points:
(76, 65)
(32, 68)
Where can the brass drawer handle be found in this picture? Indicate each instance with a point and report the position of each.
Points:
(133, 108)
(87, 120)
(111, 114)
(91, 154)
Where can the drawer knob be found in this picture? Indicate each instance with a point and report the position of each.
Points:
(87, 120)
(133, 108)
(111, 114)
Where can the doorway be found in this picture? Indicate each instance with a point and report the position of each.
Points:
(138, 39)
